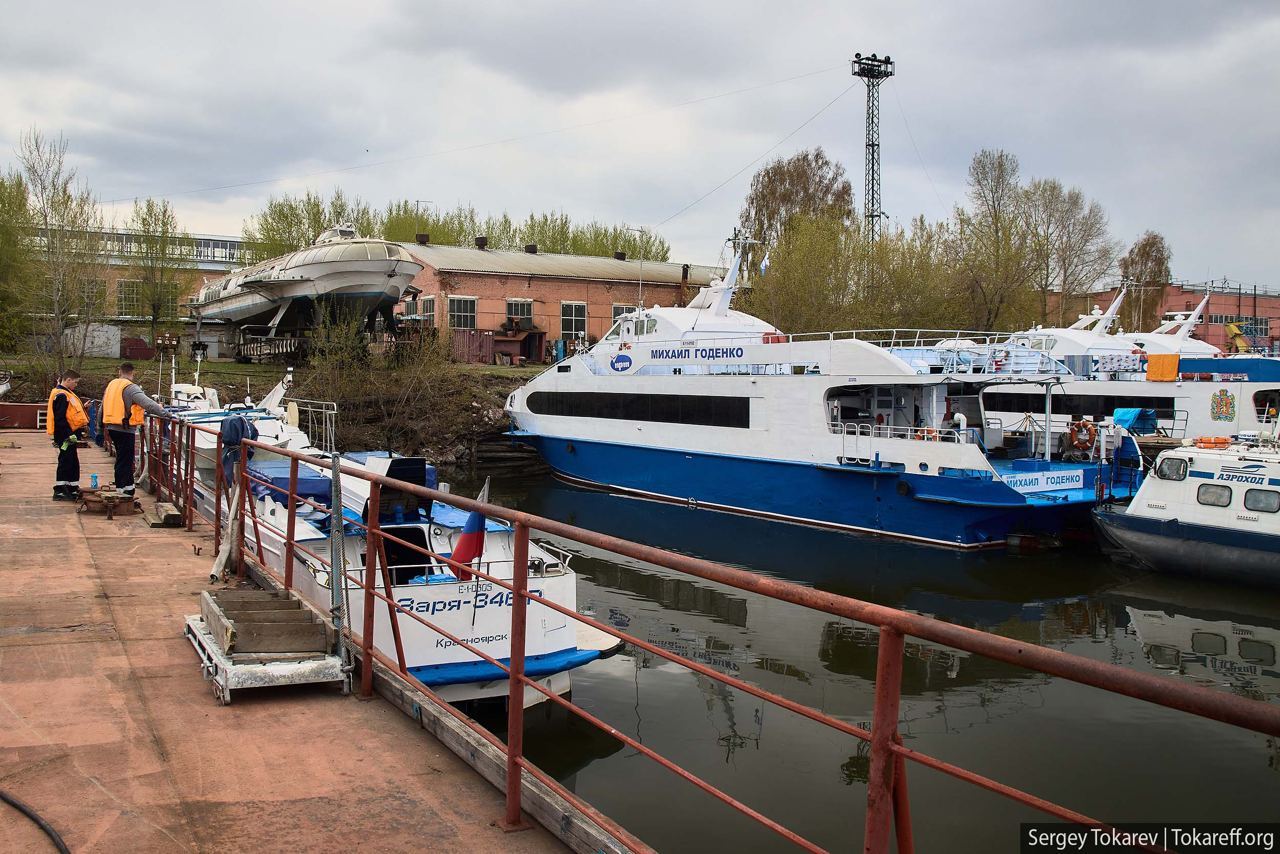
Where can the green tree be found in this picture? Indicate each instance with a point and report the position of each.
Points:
(68, 285)
(289, 222)
(806, 184)
(17, 260)
(162, 251)
(994, 245)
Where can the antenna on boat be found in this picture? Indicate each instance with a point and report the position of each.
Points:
(198, 354)
(1109, 316)
(1190, 323)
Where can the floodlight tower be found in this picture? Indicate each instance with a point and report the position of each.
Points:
(873, 70)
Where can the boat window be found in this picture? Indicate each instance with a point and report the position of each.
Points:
(334, 253)
(377, 251)
(614, 332)
(1214, 495)
(1262, 500)
(707, 410)
(354, 252)
(1207, 643)
(1267, 403)
(1172, 468)
(1257, 652)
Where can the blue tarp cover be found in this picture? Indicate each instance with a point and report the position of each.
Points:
(1141, 421)
(276, 472)
(452, 517)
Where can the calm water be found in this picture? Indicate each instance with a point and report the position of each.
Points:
(1107, 756)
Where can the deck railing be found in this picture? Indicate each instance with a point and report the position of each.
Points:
(172, 464)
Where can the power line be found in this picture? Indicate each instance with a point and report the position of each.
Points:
(911, 137)
(760, 157)
(489, 144)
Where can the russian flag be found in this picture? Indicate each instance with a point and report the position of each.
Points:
(470, 545)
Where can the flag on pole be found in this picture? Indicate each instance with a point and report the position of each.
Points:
(470, 545)
(764, 265)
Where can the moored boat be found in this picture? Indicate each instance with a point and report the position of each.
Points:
(1210, 509)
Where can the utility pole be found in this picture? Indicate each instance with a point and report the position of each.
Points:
(873, 70)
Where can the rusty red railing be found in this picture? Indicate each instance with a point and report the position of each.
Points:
(172, 453)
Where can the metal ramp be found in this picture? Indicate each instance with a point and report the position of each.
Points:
(259, 639)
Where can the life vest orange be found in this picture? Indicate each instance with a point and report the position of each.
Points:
(76, 417)
(113, 414)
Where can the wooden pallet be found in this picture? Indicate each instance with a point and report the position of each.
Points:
(262, 624)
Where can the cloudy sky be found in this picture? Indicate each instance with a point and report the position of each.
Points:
(1165, 112)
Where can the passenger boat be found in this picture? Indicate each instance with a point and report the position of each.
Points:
(710, 407)
(473, 609)
(1210, 510)
(279, 297)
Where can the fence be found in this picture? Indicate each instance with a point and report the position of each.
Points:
(171, 449)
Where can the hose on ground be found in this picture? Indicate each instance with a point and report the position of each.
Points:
(35, 817)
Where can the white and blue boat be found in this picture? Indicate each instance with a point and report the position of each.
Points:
(1210, 509)
(713, 408)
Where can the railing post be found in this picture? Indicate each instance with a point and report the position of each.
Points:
(217, 494)
(243, 481)
(901, 803)
(190, 479)
(291, 526)
(515, 696)
(370, 579)
(884, 726)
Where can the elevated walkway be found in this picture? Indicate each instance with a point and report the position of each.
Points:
(108, 729)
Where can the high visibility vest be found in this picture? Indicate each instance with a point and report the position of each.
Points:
(76, 417)
(113, 414)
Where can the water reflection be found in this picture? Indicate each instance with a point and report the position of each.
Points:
(1095, 752)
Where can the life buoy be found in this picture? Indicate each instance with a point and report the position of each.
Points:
(927, 434)
(1083, 435)
(1213, 442)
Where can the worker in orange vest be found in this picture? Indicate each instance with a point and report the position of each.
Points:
(123, 405)
(66, 422)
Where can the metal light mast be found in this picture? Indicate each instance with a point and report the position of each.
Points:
(873, 70)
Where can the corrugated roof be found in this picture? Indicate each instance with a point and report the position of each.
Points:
(464, 259)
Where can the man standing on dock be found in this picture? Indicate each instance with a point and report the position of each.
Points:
(123, 404)
(66, 421)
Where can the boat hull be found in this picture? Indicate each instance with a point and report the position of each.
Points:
(1201, 551)
(952, 512)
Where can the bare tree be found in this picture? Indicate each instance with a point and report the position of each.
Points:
(69, 287)
(162, 251)
(1146, 267)
(806, 184)
(994, 243)
(1070, 244)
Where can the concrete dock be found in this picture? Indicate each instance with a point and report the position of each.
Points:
(108, 729)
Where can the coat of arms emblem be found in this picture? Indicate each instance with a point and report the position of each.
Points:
(1222, 406)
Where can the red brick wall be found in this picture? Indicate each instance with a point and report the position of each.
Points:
(493, 290)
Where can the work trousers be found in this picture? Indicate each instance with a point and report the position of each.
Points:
(68, 474)
(123, 440)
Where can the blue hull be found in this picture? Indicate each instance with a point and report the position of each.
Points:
(1199, 551)
(535, 666)
(958, 512)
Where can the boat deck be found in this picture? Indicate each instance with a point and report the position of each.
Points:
(1044, 471)
(108, 729)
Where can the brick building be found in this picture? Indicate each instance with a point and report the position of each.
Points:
(1256, 311)
(530, 299)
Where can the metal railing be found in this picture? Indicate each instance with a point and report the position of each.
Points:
(171, 466)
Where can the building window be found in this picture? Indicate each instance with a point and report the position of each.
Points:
(619, 310)
(1214, 495)
(520, 312)
(427, 311)
(707, 410)
(573, 319)
(129, 298)
(462, 312)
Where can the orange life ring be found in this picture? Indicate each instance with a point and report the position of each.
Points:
(928, 434)
(1085, 442)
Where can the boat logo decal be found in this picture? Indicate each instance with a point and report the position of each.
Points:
(1243, 474)
(620, 362)
(1222, 406)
